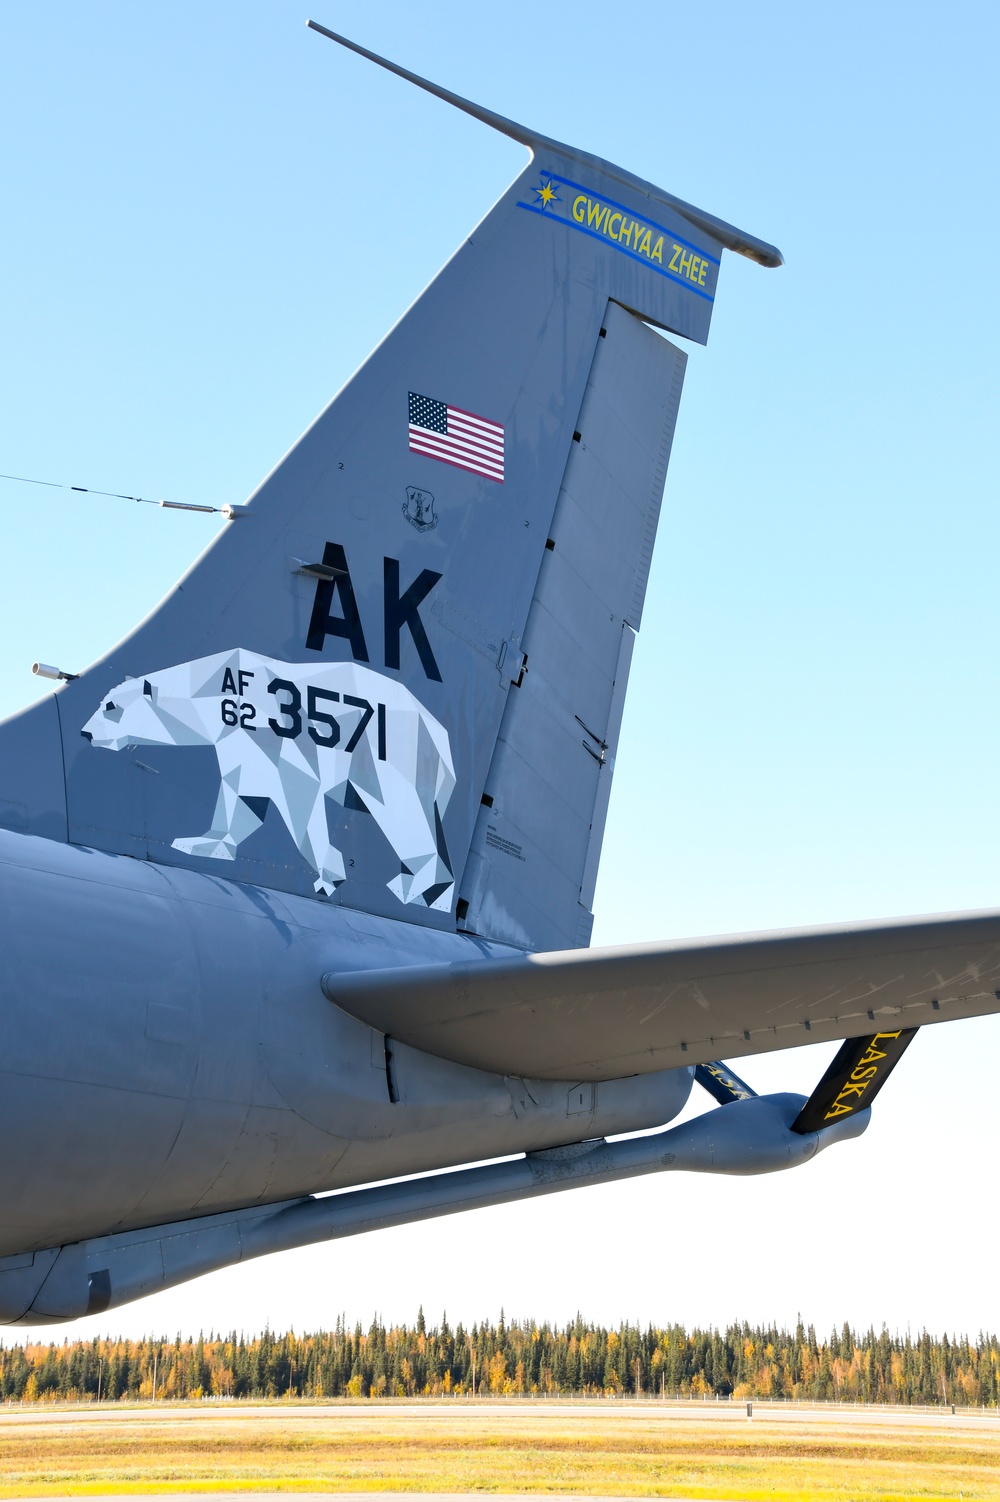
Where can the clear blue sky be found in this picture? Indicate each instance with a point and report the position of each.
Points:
(211, 215)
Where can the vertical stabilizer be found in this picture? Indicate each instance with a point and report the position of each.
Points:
(429, 602)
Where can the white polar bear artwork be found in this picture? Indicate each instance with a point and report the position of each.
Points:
(295, 734)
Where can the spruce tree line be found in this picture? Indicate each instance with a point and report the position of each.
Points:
(514, 1358)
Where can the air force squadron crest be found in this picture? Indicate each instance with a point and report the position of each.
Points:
(419, 509)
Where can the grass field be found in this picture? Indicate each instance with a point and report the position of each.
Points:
(784, 1454)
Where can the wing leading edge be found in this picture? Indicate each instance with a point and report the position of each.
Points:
(593, 1014)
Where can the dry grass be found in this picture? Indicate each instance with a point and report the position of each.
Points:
(781, 1458)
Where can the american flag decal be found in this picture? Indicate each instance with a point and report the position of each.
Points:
(456, 437)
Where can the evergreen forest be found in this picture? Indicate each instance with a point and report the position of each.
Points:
(514, 1358)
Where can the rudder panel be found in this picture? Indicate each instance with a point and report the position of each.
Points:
(533, 862)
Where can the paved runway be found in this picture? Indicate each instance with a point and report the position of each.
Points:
(459, 1411)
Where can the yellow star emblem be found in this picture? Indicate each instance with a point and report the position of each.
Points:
(546, 194)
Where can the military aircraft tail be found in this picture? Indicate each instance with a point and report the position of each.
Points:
(395, 680)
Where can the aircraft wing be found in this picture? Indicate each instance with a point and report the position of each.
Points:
(593, 1014)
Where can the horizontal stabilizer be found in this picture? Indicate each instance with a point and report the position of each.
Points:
(853, 1080)
(606, 1013)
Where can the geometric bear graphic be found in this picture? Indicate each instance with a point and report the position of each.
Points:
(295, 734)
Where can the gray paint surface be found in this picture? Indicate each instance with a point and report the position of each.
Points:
(643, 1007)
(176, 1055)
(750, 1137)
(343, 670)
(538, 839)
(507, 331)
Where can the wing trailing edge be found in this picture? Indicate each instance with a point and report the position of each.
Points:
(607, 1013)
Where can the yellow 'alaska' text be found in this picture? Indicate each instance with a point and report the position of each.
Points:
(859, 1079)
(739, 1092)
(632, 234)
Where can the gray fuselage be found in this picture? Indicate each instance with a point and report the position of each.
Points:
(167, 1052)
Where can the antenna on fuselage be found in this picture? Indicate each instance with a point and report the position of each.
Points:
(229, 512)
